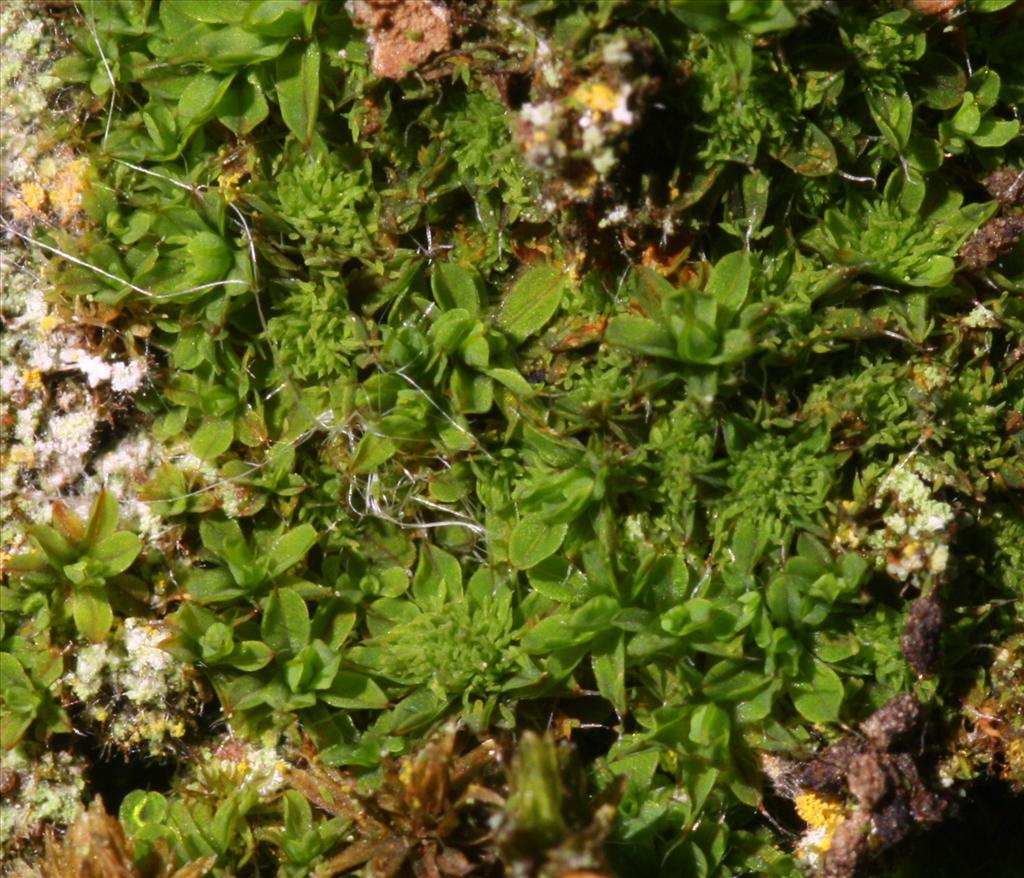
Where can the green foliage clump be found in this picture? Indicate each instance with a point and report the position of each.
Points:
(781, 486)
(80, 563)
(314, 331)
(461, 645)
(904, 238)
(633, 390)
(330, 204)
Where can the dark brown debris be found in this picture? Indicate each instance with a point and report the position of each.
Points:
(997, 237)
(849, 846)
(9, 782)
(893, 822)
(879, 769)
(827, 771)
(867, 780)
(927, 807)
(892, 723)
(403, 33)
(1006, 186)
(922, 636)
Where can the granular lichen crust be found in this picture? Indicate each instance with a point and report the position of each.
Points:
(43, 790)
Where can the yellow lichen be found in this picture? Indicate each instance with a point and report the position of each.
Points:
(68, 187)
(819, 813)
(575, 266)
(22, 456)
(48, 323)
(34, 196)
(1014, 768)
(849, 536)
(230, 772)
(596, 96)
(228, 184)
(21, 211)
(33, 379)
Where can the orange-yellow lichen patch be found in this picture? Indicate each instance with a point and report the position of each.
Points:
(34, 196)
(22, 456)
(48, 323)
(585, 188)
(33, 379)
(819, 813)
(597, 96)
(228, 184)
(29, 203)
(575, 265)
(1014, 768)
(68, 187)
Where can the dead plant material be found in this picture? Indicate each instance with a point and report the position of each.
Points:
(877, 768)
(849, 846)
(893, 722)
(867, 780)
(826, 773)
(431, 813)
(95, 846)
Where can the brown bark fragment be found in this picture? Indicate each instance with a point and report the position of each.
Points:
(927, 807)
(9, 782)
(827, 771)
(893, 822)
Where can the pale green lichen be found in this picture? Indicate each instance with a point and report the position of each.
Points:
(918, 526)
(48, 367)
(133, 689)
(26, 52)
(48, 791)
